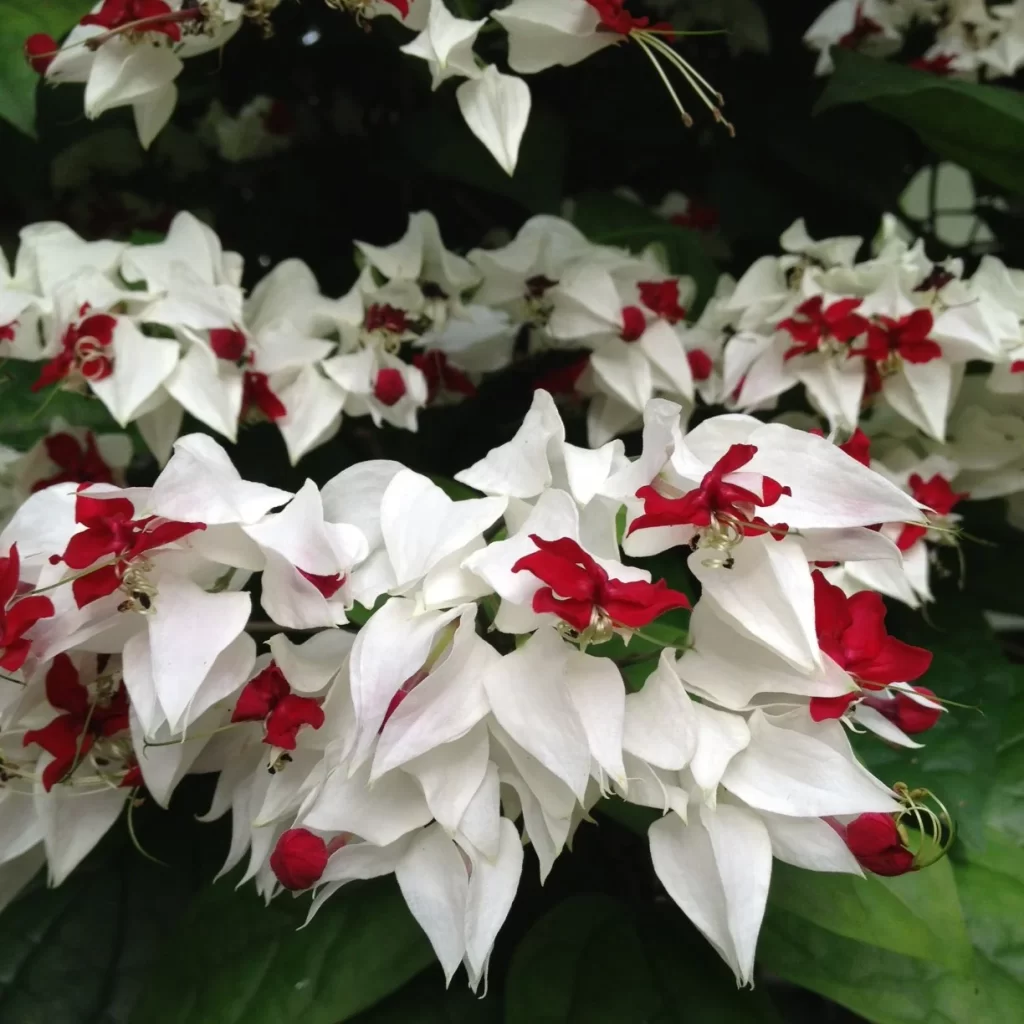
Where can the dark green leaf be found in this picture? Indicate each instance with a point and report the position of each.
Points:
(26, 415)
(236, 961)
(582, 963)
(917, 915)
(425, 1001)
(592, 960)
(958, 760)
(440, 141)
(980, 127)
(20, 19)
(611, 220)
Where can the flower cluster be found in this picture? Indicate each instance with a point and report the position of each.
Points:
(880, 348)
(158, 330)
(129, 53)
(482, 703)
(967, 38)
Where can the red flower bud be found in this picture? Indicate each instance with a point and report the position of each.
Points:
(875, 841)
(40, 49)
(299, 859)
(389, 388)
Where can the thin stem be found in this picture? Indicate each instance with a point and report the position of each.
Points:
(11, 679)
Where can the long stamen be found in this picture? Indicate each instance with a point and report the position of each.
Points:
(643, 44)
(695, 80)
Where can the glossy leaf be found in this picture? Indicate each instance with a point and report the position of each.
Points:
(916, 915)
(980, 127)
(235, 960)
(592, 960)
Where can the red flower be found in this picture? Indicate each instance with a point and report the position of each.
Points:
(112, 532)
(279, 119)
(563, 379)
(327, 585)
(875, 841)
(441, 376)
(697, 217)
(714, 498)
(701, 365)
(863, 27)
(616, 18)
(1017, 366)
(77, 464)
(824, 708)
(267, 698)
(577, 588)
(299, 859)
(257, 395)
(17, 617)
(389, 387)
(940, 64)
(40, 49)
(907, 713)
(817, 325)
(116, 14)
(938, 496)
(83, 350)
(858, 447)
(906, 337)
(662, 297)
(7, 331)
(70, 736)
(634, 323)
(229, 344)
(851, 631)
(386, 318)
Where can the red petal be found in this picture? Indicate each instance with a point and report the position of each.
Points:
(288, 716)
(895, 662)
(64, 690)
(10, 575)
(327, 585)
(638, 603)
(577, 613)
(824, 708)
(94, 585)
(389, 387)
(260, 695)
(564, 566)
(89, 510)
(227, 344)
(701, 365)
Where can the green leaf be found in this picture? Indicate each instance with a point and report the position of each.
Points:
(592, 960)
(882, 986)
(610, 220)
(25, 415)
(75, 952)
(20, 19)
(589, 936)
(958, 760)
(980, 127)
(236, 961)
(425, 1001)
(917, 915)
